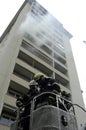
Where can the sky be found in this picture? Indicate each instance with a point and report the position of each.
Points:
(71, 13)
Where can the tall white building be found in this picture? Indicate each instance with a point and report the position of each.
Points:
(35, 42)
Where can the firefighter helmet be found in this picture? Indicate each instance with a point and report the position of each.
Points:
(32, 82)
(38, 76)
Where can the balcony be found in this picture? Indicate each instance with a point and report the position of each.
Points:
(48, 51)
(18, 84)
(63, 78)
(10, 101)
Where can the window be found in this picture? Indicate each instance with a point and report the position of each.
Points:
(8, 116)
(14, 93)
(46, 49)
(37, 53)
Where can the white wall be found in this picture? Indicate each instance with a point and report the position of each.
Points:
(9, 49)
(75, 86)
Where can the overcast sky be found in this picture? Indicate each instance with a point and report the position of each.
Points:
(71, 13)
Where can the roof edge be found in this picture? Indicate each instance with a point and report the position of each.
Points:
(68, 34)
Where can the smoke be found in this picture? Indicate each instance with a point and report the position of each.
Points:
(40, 27)
(38, 20)
(36, 27)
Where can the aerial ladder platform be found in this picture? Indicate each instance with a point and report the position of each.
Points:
(46, 111)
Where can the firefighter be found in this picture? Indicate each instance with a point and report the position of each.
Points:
(25, 117)
(65, 95)
(47, 83)
(33, 91)
(66, 98)
(34, 88)
(25, 102)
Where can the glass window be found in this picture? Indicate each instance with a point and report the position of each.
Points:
(37, 53)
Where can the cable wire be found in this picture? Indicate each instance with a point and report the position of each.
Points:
(80, 107)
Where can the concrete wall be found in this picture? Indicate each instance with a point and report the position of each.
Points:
(4, 127)
(9, 49)
(74, 85)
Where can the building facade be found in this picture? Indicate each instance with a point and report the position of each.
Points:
(35, 42)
